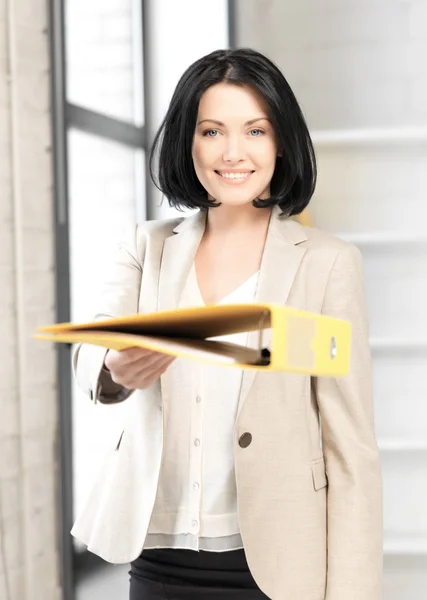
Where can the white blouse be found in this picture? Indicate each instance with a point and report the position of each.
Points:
(196, 503)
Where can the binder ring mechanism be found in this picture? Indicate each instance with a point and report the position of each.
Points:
(264, 353)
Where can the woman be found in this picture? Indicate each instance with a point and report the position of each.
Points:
(223, 484)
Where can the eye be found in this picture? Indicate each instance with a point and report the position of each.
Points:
(256, 132)
(211, 133)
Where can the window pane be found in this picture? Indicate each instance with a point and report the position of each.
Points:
(104, 57)
(105, 188)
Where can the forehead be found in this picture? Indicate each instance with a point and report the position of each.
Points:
(226, 101)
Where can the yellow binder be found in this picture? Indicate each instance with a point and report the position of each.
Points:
(286, 339)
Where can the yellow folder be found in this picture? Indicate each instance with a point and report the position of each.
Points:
(286, 339)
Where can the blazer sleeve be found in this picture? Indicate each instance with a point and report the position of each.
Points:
(119, 297)
(355, 550)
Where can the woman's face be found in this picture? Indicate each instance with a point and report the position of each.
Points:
(234, 146)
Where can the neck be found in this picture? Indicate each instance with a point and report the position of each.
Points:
(227, 219)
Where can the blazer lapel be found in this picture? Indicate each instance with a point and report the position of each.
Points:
(280, 262)
(178, 255)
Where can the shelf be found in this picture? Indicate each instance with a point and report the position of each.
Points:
(402, 445)
(389, 345)
(383, 238)
(406, 546)
(370, 138)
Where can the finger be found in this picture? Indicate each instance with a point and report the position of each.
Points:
(128, 374)
(150, 365)
(116, 361)
(134, 354)
(145, 379)
(147, 376)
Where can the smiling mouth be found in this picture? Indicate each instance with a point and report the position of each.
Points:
(237, 177)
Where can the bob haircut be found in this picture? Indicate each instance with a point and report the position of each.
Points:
(294, 177)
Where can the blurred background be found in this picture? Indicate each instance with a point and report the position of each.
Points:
(83, 87)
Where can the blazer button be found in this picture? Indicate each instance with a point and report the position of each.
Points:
(245, 440)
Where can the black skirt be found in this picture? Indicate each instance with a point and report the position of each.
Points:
(171, 574)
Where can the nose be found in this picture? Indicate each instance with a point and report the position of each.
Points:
(233, 150)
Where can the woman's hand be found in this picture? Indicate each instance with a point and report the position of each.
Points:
(136, 368)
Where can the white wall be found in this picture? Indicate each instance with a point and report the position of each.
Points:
(29, 554)
(352, 63)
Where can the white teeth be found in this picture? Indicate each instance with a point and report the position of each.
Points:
(235, 175)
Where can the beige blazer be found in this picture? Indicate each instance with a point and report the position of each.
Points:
(309, 502)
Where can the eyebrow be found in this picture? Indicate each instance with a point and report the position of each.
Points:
(221, 124)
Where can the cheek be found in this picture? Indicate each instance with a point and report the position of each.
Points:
(206, 153)
(202, 163)
(266, 154)
(200, 154)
